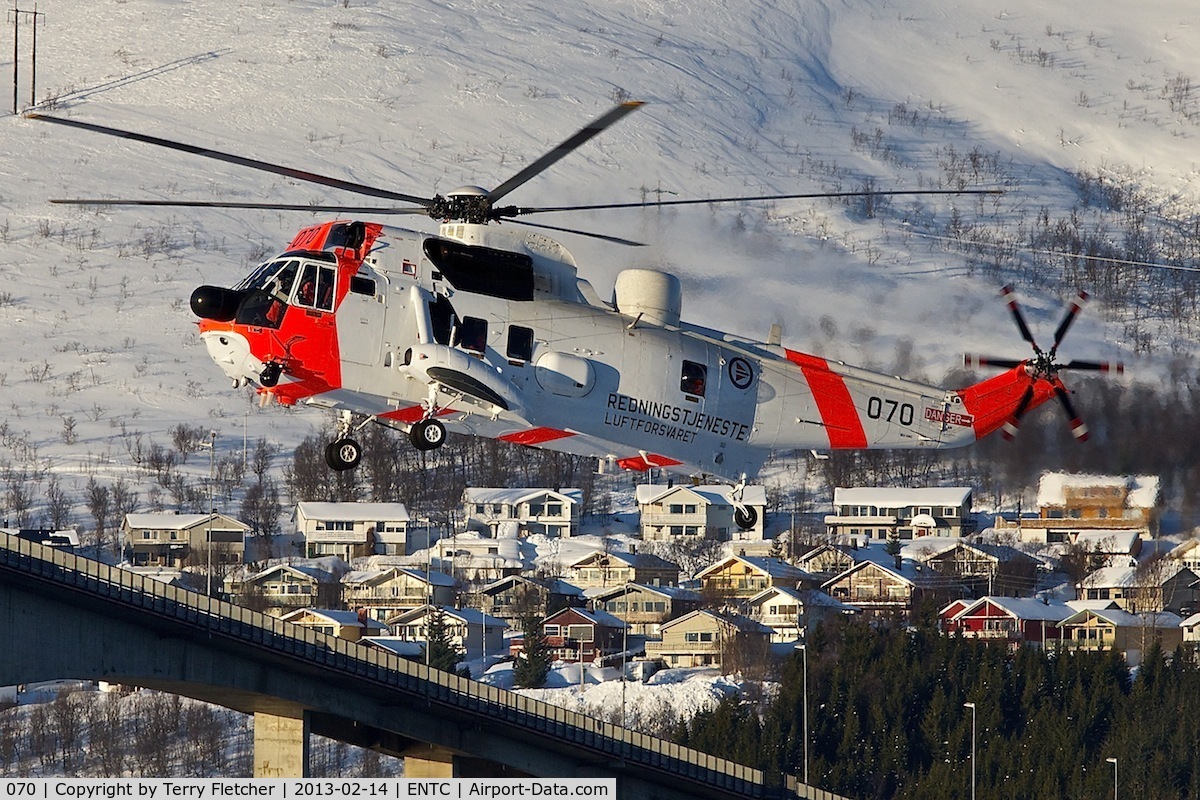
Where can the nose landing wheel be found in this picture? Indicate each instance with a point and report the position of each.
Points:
(343, 454)
(428, 434)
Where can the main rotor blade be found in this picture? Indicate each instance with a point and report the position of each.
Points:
(241, 161)
(613, 239)
(1008, 295)
(1072, 312)
(521, 211)
(1078, 429)
(1009, 429)
(363, 210)
(582, 135)
(972, 361)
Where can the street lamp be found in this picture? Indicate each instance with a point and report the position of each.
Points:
(211, 444)
(972, 707)
(803, 648)
(1113, 761)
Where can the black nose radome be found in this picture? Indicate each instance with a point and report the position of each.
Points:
(215, 303)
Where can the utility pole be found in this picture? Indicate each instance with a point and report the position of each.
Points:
(16, 17)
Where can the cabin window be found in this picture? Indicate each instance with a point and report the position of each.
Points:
(473, 334)
(482, 270)
(361, 285)
(693, 379)
(520, 343)
(442, 319)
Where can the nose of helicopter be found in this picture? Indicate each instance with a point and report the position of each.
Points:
(231, 352)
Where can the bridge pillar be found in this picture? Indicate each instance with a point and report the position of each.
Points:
(431, 761)
(281, 745)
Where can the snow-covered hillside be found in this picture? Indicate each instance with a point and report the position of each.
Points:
(744, 98)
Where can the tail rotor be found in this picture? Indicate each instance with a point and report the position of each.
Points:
(1043, 368)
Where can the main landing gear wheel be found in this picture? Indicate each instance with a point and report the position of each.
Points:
(343, 454)
(745, 518)
(428, 434)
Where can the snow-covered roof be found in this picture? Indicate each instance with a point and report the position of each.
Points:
(1126, 619)
(635, 560)
(552, 585)
(468, 616)
(1119, 540)
(1022, 608)
(1143, 489)
(775, 568)
(673, 592)
(596, 616)
(742, 623)
(713, 494)
(174, 521)
(811, 597)
(892, 497)
(353, 512)
(338, 617)
(500, 494)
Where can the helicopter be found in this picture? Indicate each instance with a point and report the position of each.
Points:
(489, 330)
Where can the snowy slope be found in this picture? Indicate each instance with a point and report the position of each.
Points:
(423, 96)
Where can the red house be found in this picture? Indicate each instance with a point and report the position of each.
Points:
(576, 634)
(1012, 620)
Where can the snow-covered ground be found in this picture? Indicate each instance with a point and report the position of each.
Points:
(425, 96)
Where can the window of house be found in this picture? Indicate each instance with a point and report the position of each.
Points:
(554, 509)
(676, 508)
(580, 633)
(676, 530)
(691, 530)
(551, 630)
(691, 636)
(693, 379)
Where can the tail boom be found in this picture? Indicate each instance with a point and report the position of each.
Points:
(994, 403)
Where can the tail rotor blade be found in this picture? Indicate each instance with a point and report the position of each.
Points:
(1009, 296)
(1115, 367)
(1009, 430)
(1078, 428)
(1072, 312)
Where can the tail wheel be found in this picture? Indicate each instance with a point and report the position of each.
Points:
(428, 434)
(745, 517)
(343, 454)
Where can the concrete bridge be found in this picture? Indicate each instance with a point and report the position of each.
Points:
(70, 617)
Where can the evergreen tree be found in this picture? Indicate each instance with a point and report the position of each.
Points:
(439, 651)
(533, 665)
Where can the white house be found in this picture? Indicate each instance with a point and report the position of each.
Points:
(553, 512)
(669, 513)
(473, 632)
(787, 611)
(863, 513)
(352, 530)
(175, 540)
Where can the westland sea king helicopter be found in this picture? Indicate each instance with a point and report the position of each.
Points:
(489, 331)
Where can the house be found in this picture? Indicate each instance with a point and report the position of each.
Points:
(475, 634)
(826, 560)
(67, 539)
(513, 597)
(601, 570)
(1069, 504)
(743, 576)
(352, 530)
(551, 512)
(347, 625)
(476, 557)
(1130, 634)
(383, 593)
(706, 638)
(1191, 628)
(580, 635)
(645, 608)
(1011, 620)
(789, 612)
(179, 540)
(982, 568)
(1161, 585)
(282, 588)
(864, 513)
(890, 587)
(669, 513)
(1187, 553)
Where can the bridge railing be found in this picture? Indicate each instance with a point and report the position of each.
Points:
(219, 617)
